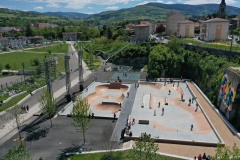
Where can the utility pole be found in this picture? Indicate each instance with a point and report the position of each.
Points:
(68, 80)
(80, 53)
(231, 27)
(23, 66)
(48, 77)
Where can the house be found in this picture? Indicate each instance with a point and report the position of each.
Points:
(173, 18)
(4, 42)
(17, 42)
(71, 36)
(185, 29)
(35, 40)
(214, 29)
(10, 29)
(142, 32)
(237, 21)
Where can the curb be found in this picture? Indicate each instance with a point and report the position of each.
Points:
(5, 101)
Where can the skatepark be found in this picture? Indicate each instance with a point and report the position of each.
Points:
(167, 111)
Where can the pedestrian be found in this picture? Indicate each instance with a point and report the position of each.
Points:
(199, 157)
(159, 104)
(193, 99)
(162, 111)
(196, 107)
(114, 115)
(178, 83)
(31, 93)
(204, 157)
(27, 108)
(127, 94)
(92, 115)
(189, 104)
(169, 92)
(133, 121)
(191, 127)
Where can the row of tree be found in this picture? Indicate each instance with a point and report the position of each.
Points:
(201, 67)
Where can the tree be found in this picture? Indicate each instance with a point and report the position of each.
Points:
(80, 115)
(48, 104)
(7, 66)
(160, 29)
(15, 115)
(19, 153)
(224, 153)
(29, 31)
(144, 148)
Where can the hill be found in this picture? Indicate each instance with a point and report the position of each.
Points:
(10, 17)
(158, 11)
(67, 14)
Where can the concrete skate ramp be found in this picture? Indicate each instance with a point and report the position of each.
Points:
(110, 106)
(120, 87)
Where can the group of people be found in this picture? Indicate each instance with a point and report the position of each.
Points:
(203, 157)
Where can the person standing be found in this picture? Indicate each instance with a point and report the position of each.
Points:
(162, 111)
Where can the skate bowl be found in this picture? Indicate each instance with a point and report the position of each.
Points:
(108, 106)
(106, 99)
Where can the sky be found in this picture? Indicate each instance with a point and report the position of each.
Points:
(93, 6)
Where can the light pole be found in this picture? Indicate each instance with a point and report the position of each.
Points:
(231, 27)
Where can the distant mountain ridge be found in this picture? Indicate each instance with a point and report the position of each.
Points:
(158, 11)
(67, 14)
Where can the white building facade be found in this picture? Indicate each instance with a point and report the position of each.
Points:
(173, 18)
(214, 29)
(185, 29)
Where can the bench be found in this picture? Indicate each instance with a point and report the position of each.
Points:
(143, 122)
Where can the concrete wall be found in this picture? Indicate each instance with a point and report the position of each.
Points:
(212, 27)
(172, 22)
(142, 33)
(228, 102)
(183, 27)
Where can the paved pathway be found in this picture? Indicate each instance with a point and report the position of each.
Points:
(6, 125)
(125, 112)
(190, 151)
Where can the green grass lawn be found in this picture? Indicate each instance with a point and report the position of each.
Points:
(217, 45)
(57, 48)
(15, 60)
(123, 155)
(13, 101)
(88, 58)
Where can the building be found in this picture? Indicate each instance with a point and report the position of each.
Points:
(17, 42)
(229, 96)
(185, 29)
(142, 32)
(236, 21)
(214, 29)
(4, 42)
(10, 29)
(35, 40)
(173, 18)
(71, 36)
(222, 9)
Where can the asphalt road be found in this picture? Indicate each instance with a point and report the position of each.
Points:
(52, 143)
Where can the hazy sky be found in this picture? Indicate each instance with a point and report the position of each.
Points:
(93, 6)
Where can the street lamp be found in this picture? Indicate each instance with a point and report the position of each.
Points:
(231, 27)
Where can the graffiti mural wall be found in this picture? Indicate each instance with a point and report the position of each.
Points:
(227, 92)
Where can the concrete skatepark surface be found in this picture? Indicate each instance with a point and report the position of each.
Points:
(104, 100)
(175, 123)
